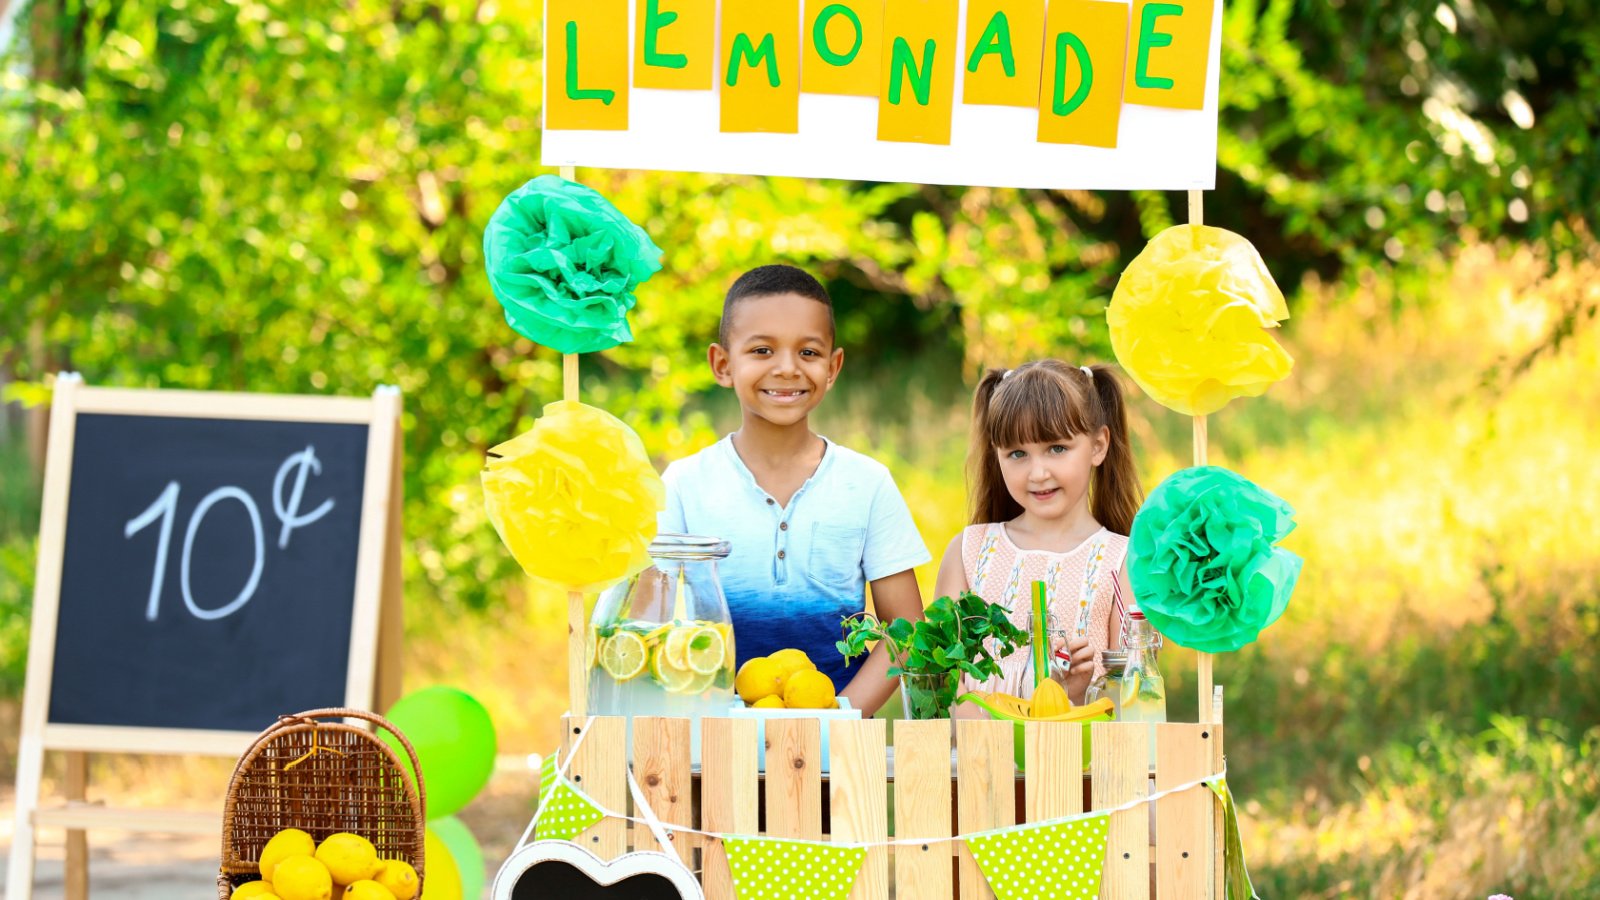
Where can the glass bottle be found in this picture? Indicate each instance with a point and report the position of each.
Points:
(662, 641)
(1109, 682)
(1143, 691)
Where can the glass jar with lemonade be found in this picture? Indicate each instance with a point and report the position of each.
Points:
(661, 643)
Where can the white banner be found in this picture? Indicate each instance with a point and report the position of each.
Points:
(750, 106)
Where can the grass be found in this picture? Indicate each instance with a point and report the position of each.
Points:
(1421, 722)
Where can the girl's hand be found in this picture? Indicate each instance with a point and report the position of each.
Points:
(1081, 671)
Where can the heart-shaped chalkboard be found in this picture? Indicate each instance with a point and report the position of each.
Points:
(562, 870)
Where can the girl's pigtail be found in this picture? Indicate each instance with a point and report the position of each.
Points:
(1115, 495)
(990, 501)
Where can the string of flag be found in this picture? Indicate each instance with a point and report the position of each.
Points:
(1060, 857)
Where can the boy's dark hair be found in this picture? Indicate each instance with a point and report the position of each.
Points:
(765, 281)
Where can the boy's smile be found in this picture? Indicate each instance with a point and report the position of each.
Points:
(779, 359)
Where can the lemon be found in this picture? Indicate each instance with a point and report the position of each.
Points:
(623, 656)
(286, 843)
(757, 678)
(672, 679)
(809, 690)
(256, 889)
(302, 878)
(707, 651)
(368, 890)
(349, 857)
(772, 702)
(792, 660)
(398, 876)
(677, 645)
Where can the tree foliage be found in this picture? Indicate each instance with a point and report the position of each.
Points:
(283, 195)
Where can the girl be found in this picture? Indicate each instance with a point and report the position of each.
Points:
(1054, 493)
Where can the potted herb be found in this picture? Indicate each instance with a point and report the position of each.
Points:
(967, 635)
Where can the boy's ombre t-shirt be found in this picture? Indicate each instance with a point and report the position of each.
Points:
(795, 571)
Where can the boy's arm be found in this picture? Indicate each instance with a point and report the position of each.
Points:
(893, 597)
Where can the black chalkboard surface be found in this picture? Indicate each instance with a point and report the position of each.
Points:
(208, 571)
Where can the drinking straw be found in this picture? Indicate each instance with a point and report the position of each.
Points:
(1041, 635)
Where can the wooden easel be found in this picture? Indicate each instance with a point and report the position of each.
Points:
(377, 625)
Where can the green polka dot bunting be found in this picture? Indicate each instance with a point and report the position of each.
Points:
(564, 813)
(773, 869)
(1034, 862)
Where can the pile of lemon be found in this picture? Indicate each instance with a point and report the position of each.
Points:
(787, 679)
(294, 867)
(682, 657)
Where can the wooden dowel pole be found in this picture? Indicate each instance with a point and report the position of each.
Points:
(1203, 673)
(577, 621)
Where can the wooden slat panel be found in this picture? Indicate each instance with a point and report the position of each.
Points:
(1183, 820)
(922, 809)
(1054, 758)
(1120, 769)
(601, 769)
(1214, 735)
(728, 800)
(794, 778)
(859, 797)
(661, 764)
(985, 794)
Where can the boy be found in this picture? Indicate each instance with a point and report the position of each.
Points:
(810, 522)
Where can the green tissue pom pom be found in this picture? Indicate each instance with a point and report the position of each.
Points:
(1202, 563)
(564, 264)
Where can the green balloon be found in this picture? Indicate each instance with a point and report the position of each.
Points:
(454, 740)
(464, 848)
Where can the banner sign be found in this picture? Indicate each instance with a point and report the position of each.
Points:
(1024, 93)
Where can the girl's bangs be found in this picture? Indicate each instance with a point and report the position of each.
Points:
(1037, 409)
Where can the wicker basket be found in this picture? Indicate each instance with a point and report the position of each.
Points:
(314, 772)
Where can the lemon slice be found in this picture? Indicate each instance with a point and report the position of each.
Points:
(655, 633)
(623, 656)
(677, 645)
(671, 678)
(707, 651)
(702, 682)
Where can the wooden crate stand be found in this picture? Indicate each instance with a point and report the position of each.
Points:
(946, 778)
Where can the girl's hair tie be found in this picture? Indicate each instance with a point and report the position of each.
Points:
(1006, 374)
(1087, 371)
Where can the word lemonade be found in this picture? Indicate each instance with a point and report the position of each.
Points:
(1076, 62)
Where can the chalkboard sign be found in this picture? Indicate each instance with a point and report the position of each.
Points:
(209, 574)
(207, 563)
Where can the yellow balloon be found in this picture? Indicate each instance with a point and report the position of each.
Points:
(441, 880)
(1189, 320)
(575, 498)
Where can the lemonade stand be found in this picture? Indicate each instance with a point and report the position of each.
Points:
(657, 790)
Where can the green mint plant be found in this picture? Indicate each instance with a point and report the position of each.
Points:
(967, 634)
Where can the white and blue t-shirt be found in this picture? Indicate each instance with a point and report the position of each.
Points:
(795, 571)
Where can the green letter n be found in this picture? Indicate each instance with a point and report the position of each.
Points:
(573, 91)
(753, 55)
(901, 62)
(996, 39)
(1150, 37)
(654, 21)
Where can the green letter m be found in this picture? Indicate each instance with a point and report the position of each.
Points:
(753, 55)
